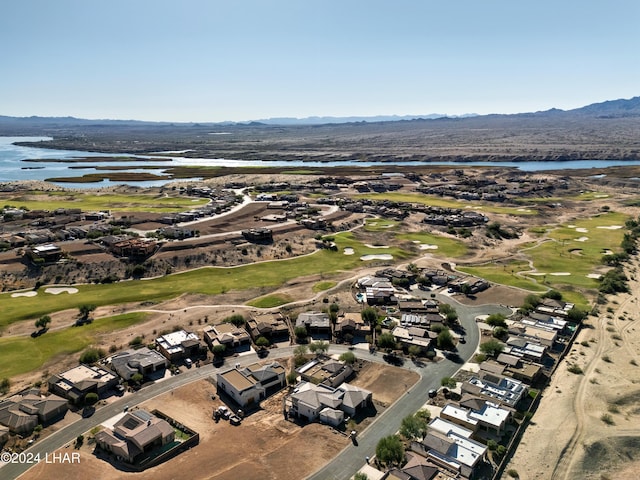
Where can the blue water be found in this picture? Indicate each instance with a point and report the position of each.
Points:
(12, 167)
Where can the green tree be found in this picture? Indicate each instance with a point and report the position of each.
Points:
(301, 333)
(492, 347)
(412, 427)
(424, 413)
(360, 476)
(91, 398)
(292, 377)
(262, 342)
(79, 442)
(386, 340)
(444, 340)
(43, 321)
(92, 355)
(218, 350)
(348, 358)
(85, 311)
(369, 315)
(414, 350)
(497, 320)
(236, 319)
(390, 451)
(448, 382)
(319, 347)
(300, 351)
(137, 378)
(5, 385)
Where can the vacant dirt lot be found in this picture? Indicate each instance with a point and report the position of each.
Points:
(265, 446)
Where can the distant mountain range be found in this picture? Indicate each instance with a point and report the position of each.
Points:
(608, 109)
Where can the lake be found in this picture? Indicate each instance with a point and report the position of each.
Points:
(13, 168)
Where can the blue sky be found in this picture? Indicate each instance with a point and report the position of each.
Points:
(199, 60)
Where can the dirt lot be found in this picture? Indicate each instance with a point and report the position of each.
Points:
(265, 446)
(587, 424)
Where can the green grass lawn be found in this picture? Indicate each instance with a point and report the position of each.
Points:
(270, 301)
(24, 354)
(209, 280)
(322, 286)
(506, 275)
(566, 254)
(447, 203)
(91, 202)
(447, 247)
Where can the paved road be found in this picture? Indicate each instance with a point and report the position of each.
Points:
(352, 457)
(349, 461)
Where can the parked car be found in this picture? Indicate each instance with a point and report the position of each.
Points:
(224, 412)
(188, 362)
(234, 419)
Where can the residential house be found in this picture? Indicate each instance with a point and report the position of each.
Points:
(325, 370)
(227, 334)
(314, 322)
(308, 400)
(503, 390)
(75, 383)
(178, 345)
(414, 336)
(22, 412)
(351, 323)
(544, 336)
(143, 361)
(456, 454)
(135, 434)
(248, 386)
(272, 326)
(490, 417)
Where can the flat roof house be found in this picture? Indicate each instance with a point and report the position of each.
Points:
(178, 345)
(308, 400)
(75, 383)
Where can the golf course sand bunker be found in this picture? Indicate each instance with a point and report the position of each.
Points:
(24, 294)
(376, 246)
(610, 227)
(427, 246)
(575, 251)
(594, 275)
(560, 274)
(581, 239)
(59, 290)
(348, 251)
(384, 256)
(581, 230)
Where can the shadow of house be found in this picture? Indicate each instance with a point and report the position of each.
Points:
(21, 413)
(75, 383)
